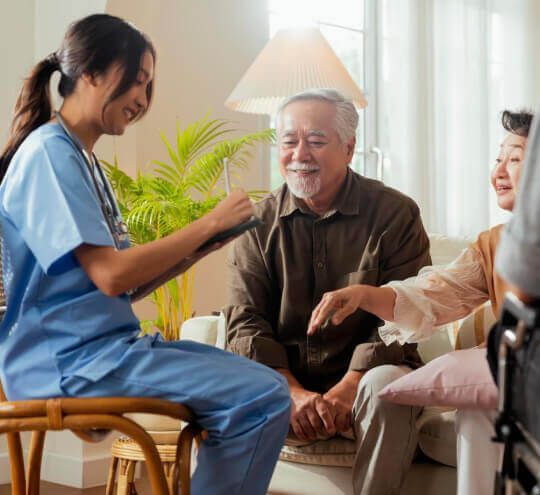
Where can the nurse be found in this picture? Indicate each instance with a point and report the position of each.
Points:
(68, 269)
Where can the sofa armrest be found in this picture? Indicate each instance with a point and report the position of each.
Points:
(202, 329)
(221, 330)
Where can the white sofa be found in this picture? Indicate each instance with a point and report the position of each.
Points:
(323, 468)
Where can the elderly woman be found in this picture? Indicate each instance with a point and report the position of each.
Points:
(439, 295)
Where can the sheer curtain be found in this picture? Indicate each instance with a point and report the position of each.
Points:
(446, 70)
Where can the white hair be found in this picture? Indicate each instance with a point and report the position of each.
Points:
(346, 120)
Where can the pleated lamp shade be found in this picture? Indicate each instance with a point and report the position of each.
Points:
(292, 61)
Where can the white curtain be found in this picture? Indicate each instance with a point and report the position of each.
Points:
(446, 70)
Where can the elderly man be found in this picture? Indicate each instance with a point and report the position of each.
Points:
(329, 227)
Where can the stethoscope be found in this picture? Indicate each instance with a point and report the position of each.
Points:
(107, 201)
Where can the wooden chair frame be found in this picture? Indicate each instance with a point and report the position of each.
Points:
(91, 419)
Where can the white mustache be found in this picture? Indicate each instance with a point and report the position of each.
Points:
(302, 167)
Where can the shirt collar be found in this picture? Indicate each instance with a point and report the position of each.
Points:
(346, 201)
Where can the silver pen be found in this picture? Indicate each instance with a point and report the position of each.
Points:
(227, 177)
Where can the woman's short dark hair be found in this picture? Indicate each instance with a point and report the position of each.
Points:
(91, 46)
(518, 123)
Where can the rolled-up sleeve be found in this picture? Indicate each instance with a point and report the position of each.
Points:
(405, 250)
(518, 255)
(250, 329)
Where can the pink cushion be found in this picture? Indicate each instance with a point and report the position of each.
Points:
(458, 379)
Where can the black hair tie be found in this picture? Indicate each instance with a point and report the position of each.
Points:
(53, 60)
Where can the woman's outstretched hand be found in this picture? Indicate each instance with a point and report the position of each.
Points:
(334, 307)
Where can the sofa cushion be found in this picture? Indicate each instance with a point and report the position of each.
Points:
(204, 329)
(474, 329)
(445, 249)
(437, 435)
(461, 334)
(436, 439)
(438, 344)
(460, 379)
(336, 451)
(294, 478)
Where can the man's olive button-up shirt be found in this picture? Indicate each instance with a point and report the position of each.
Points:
(278, 272)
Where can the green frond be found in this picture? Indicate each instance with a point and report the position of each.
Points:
(204, 175)
(121, 182)
(257, 195)
(172, 286)
(166, 171)
(172, 154)
(199, 135)
(147, 326)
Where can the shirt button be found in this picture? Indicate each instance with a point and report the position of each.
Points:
(320, 264)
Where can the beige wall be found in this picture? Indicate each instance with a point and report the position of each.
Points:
(17, 42)
(29, 31)
(203, 47)
(52, 17)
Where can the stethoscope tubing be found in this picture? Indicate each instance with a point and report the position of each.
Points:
(108, 204)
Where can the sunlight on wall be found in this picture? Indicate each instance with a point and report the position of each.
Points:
(287, 14)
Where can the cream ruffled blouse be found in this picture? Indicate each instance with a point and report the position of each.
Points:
(442, 294)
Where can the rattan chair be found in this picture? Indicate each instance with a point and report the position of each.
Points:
(91, 419)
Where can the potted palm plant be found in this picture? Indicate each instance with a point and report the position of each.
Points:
(169, 196)
(175, 193)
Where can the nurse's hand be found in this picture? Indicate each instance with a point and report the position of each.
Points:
(234, 209)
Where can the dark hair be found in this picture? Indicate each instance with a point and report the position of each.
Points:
(518, 123)
(90, 46)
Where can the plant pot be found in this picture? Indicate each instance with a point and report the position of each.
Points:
(163, 429)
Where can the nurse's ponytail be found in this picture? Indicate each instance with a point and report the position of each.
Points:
(32, 109)
(91, 46)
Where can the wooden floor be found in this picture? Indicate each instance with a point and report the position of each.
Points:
(142, 486)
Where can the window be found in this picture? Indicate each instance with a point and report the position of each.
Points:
(436, 76)
(344, 24)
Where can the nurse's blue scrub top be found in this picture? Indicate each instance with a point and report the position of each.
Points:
(58, 323)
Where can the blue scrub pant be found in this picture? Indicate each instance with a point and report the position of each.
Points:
(243, 405)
